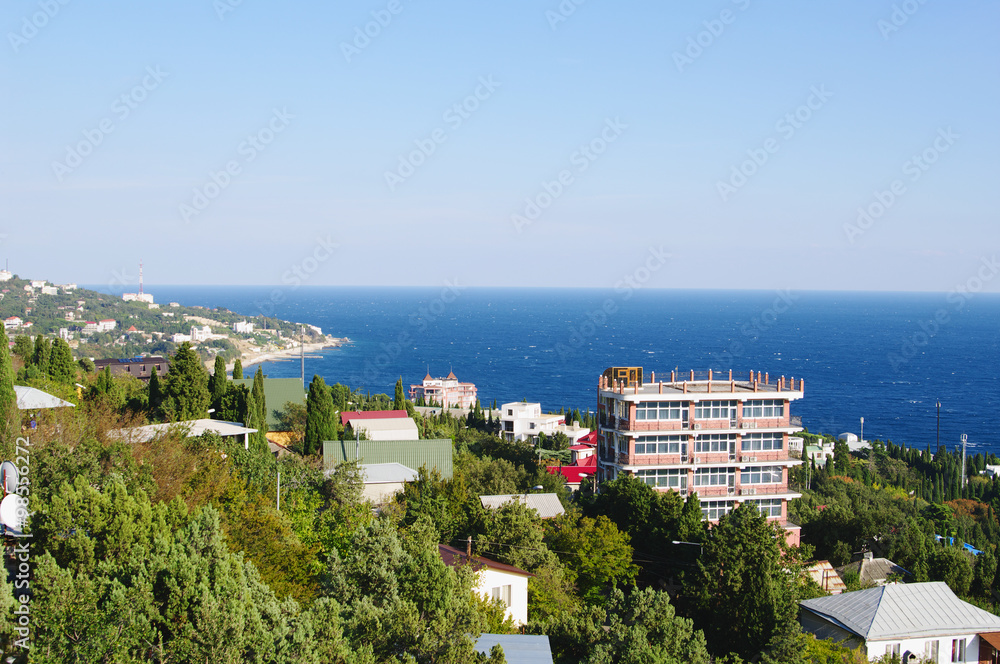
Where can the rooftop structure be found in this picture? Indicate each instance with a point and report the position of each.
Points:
(546, 504)
(384, 480)
(723, 437)
(435, 453)
(446, 392)
(348, 415)
(191, 428)
(388, 428)
(497, 580)
(140, 367)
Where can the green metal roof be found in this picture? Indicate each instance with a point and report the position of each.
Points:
(277, 392)
(411, 453)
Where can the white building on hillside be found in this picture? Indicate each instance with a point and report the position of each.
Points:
(506, 583)
(6, 275)
(387, 428)
(243, 327)
(923, 622)
(50, 290)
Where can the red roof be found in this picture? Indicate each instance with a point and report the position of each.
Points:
(455, 557)
(589, 462)
(581, 447)
(452, 376)
(131, 329)
(349, 415)
(589, 439)
(573, 474)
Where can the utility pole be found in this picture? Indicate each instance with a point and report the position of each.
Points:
(278, 496)
(938, 427)
(302, 355)
(965, 439)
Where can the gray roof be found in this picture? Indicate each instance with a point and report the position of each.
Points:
(31, 398)
(436, 453)
(873, 571)
(191, 428)
(546, 504)
(518, 648)
(903, 611)
(387, 473)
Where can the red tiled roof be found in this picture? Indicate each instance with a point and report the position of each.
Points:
(589, 462)
(573, 474)
(581, 447)
(455, 557)
(452, 376)
(589, 439)
(349, 415)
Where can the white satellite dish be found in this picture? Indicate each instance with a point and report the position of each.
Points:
(12, 514)
(9, 477)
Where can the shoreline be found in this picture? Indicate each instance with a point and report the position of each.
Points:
(288, 353)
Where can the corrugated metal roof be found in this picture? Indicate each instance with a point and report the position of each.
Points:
(903, 611)
(872, 571)
(546, 504)
(277, 392)
(411, 453)
(518, 648)
(349, 415)
(387, 473)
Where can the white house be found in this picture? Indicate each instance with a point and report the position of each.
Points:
(203, 333)
(524, 421)
(38, 283)
(106, 324)
(384, 480)
(50, 290)
(917, 621)
(12, 323)
(497, 580)
(180, 338)
(243, 327)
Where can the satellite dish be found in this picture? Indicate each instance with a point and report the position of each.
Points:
(9, 477)
(12, 514)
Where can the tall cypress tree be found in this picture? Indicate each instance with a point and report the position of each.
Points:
(8, 399)
(217, 384)
(61, 365)
(186, 385)
(155, 395)
(399, 402)
(237, 369)
(43, 349)
(259, 401)
(320, 422)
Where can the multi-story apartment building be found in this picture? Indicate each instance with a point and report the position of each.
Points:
(725, 438)
(446, 392)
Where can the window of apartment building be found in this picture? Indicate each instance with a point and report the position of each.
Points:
(714, 410)
(713, 442)
(761, 475)
(502, 593)
(714, 477)
(764, 408)
(660, 444)
(958, 650)
(762, 442)
(652, 410)
(931, 649)
(713, 510)
(621, 408)
(768, 506)
(672, 478)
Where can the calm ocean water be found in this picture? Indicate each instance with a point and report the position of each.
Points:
(887, 357)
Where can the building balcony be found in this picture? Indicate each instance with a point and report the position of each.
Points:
(762, 489)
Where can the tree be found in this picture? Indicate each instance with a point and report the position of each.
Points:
(744, 587)
(8, 399)
(237, 369)
(597, 554)
(320, 422)
(260, 402)
(399, 402)
(218, 383)
(61, 365)
(292, 418)
(23, 348)
(185, 387)
(155, 399)
(951, 565)
(40, 356)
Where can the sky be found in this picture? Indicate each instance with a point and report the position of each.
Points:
(846, 145)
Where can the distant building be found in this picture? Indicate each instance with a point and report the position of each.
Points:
(199, 334)
(12, 323)
(191, 428)
(68, 287)
(64, 333)
(446, 392)
(180, 338)
(50, 290)
(106, 325)
(348, 415)
(547, 505)
(389, 428)
(873, 571)
(243, 327)
(722, 437)
(140, 367)
(38, 283)
(524, 421)
(6, 275)
(137, 297)
(90, 326)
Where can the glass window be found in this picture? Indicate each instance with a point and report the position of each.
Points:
(761, 475)
(958, 650)
(713, 510)
(671, 478)
(931, 650)
(764, 408)
(757, 442)
(714, 476)
(714, 410)
(663, 410)
(713, 442)
(768, 506)
(659, 444)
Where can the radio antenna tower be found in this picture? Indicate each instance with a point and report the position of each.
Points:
(140, 278)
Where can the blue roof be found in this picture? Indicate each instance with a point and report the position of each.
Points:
(518, 648)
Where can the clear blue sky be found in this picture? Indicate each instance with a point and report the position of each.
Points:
(680, 127)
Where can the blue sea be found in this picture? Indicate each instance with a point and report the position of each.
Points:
(884, 357)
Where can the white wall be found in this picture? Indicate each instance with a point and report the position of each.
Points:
(876, 649)
(490, 578)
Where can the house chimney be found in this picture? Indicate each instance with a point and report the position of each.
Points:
(468, 546)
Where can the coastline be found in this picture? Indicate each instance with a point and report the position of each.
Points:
(288, 353)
